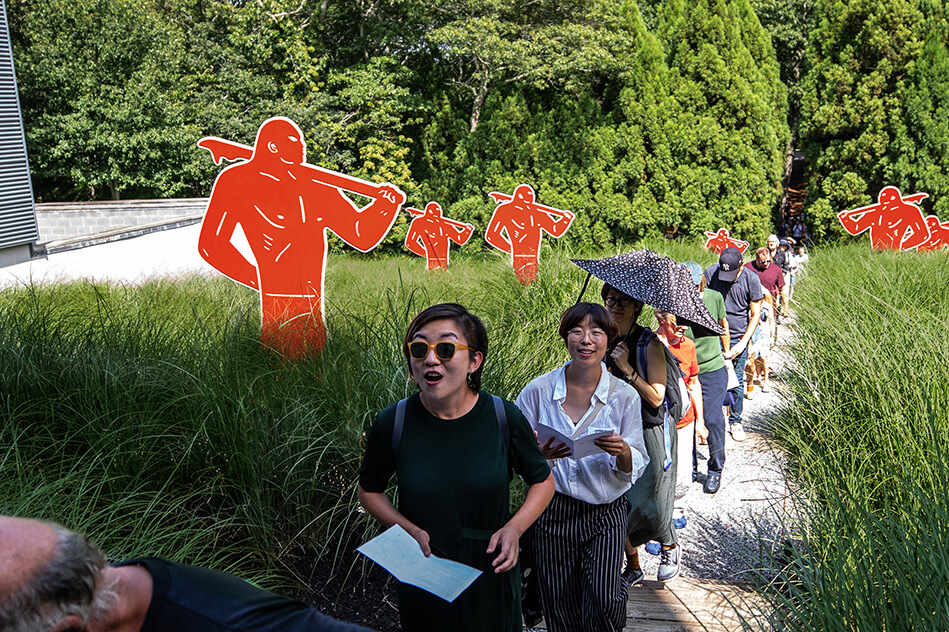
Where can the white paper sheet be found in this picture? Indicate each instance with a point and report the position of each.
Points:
(399, 553)
(579, 448)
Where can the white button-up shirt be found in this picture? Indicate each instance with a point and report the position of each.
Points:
(594, 479)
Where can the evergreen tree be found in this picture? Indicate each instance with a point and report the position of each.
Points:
(918, 157)
(856, 82)
(729, 131)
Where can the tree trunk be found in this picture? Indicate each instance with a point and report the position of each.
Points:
(480, 96)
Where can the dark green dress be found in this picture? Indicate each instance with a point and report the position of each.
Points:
(453, 479)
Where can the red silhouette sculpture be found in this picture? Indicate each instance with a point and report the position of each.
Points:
(895, 222)
(717, 242)
(938, 235)
(430, 235)
(283, 207)
(517, 226)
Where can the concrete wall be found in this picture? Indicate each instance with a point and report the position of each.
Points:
(67, 220)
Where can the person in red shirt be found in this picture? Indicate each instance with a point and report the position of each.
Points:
(672, 334)
(772, 280)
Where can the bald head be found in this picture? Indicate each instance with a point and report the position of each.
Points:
(280, 140)
(25, 546)
(47, 573)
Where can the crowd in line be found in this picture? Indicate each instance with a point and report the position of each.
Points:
(454, 448)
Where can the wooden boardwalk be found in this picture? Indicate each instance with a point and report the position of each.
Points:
(689, 605)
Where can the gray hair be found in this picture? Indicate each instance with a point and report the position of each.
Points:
(66, 585)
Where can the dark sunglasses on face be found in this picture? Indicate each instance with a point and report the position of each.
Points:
(443, 350)
(613, 300)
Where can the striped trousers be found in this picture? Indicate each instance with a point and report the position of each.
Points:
(578, 549)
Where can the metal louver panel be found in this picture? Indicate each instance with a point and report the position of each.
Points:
(17, 214)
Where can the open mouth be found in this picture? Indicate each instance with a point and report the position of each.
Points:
(432, 377)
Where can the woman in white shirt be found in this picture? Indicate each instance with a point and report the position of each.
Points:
(578, 540)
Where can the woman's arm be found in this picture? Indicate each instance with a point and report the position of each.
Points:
(508, 536)
(695, 389)
(653, 388)
(381, 508)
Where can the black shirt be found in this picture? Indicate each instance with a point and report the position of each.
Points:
(194, 599)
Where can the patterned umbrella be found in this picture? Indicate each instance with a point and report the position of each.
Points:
(655, 280)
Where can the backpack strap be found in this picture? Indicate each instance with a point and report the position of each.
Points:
(641, 344)
(644, 339)
(397, 428)
(499, 412)
(502, 421)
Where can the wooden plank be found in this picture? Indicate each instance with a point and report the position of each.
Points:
(689, 604)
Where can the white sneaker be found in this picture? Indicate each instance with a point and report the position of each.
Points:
(669, 564)
(738, 433)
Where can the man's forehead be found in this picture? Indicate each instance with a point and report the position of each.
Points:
(24, 546)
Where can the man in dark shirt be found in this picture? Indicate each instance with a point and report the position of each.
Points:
(743, 295)
(55, 579)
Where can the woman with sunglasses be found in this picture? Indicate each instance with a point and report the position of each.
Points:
(579, 537)
(652, 498)
(453, 458)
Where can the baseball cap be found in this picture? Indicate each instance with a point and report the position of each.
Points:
(729, 262)
(695, 270)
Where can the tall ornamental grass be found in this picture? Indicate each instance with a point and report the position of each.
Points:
(867, 429)
(150, 417)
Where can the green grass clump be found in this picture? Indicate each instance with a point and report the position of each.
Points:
(150, 417)
(866, 427)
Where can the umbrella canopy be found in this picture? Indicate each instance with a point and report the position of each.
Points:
(655, 280)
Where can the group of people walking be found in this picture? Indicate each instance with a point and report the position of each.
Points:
(454, 449)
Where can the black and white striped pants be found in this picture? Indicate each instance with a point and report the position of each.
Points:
(578, 550)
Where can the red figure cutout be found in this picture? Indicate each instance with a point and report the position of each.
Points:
(717, 242)
(283, 207)
(889, 221)
(938, 235)
(524, 222)
(430, 235)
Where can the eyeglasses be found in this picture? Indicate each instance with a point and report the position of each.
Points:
(622, 302)
(579, 333)
(443, 350)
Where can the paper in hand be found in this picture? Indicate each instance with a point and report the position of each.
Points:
(579, 448)
(399, 553)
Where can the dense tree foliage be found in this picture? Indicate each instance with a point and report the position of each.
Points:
(644, 117)
(874, 105)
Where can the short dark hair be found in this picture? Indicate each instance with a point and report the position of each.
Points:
(574, 315)
(606, 290)
(472, 328)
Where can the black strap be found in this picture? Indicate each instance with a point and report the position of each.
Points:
(499, 412)
(397, 428)
(502, 421)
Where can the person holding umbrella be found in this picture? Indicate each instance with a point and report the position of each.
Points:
(651, 500)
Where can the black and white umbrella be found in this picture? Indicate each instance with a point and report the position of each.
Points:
(655, 280)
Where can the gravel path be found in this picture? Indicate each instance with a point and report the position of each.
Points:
(726, 532)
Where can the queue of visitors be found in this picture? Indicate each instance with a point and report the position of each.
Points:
(453, 450)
